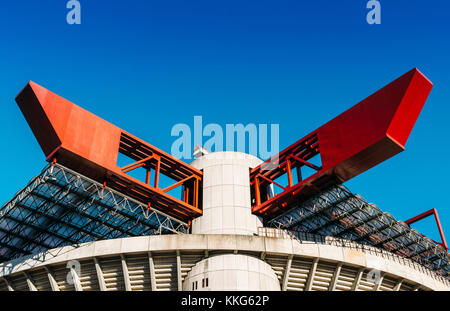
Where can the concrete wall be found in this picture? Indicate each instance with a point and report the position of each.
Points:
(298, 265)
(226, 194)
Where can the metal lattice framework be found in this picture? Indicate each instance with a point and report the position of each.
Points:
(61, 207)
(339, 213)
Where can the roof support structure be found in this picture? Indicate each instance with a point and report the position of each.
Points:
(335, 277)
(378, 282)
(398, 285)
(287, 271)
(179, 278)
(152, 272)
(126, 275)
(75, 279)
(30, 283)
(8, 284)
(433, 212)
(100, 277)
(312, 273)
(358, 279)
(51, 280)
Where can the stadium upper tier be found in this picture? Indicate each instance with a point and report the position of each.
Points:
(172, 262)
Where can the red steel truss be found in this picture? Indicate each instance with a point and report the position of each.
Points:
(372, 131)
(426, 214)
(367, 134)
(89, 145)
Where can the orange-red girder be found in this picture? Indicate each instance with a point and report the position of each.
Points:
(428, 213)
(367, 134)
(90, 145)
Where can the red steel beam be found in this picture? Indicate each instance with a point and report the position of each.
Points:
(426, 214)
(90, 145)
(367, 134)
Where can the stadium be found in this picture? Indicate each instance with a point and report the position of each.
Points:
(226, 221)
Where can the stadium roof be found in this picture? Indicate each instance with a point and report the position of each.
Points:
(61, 207)
(339, 213)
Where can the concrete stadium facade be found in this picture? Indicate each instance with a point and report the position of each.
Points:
(229, 249)
(168, 263)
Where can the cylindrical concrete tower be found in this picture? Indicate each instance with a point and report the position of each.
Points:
(226, 194)
(227, 210)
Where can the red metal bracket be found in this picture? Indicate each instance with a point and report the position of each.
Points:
(438, 223)
(367, 134)
(90, 146)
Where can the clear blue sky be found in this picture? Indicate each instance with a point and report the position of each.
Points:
(147, 65)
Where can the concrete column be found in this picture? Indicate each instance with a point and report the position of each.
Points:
(100, 278)
(30, 283)
(152, 271)
(51, 279)
(226, 194)
(287, 271)
(312, 273)
(126, 276)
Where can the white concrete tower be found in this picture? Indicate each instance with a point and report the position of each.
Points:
(226, 194)
(227, 210)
